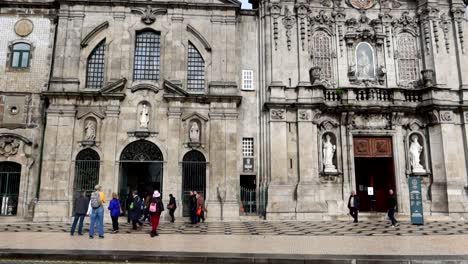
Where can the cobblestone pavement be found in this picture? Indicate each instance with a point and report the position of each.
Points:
(299, 228)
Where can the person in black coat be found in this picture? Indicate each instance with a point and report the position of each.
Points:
(172, 206)
(392, 204)
(353, 205)
(81, 208)
(135, 210)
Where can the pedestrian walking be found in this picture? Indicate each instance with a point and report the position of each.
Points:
(155, 209)
(200, 207)
(392, 204)
(81, 207)
(172, 206)
(128, 202)
(114, 208)
(353, 205)
(96, 211)
(135, 210)
(193, 207)
(147, 202)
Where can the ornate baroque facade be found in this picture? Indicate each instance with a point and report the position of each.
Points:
(279, 111)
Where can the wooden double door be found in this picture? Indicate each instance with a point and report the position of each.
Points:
(374, 170)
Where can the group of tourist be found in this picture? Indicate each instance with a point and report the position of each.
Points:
(353, 205)
(149, 207)
(197, 207)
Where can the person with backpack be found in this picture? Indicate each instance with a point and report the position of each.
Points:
(155, 209)
(172, 205)
(81, 205)
(135, 210)
(96, 211)
(114, 208)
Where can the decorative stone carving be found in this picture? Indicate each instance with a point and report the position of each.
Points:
(446, 116)
(148, 15)
(458, 16)
(277, 114)
(390, 3)
(466, 117)
(415, 151)
(289, 20)
(194, 133)
(304, 115)
(361, 4)
(314, 74)
(428, 77)
(24, 27)
(90, 130)
(302, 11)
(275, 11)
(328, 152)
(445, 24)
(371, 121)
(427, 17)
(9, 146)
(144, 117)
(434, 116)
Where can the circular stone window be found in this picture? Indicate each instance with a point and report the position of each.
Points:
(13, 110)
(24, 27)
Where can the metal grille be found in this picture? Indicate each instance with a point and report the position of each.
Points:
(248, 147)
(95, 66)
(321, 51)
(195, 71)
(20, 56)
(248, 200)
(408, 66)
(141, 150)
(86, 171)
(147, 56)
(193, 177)
(10, 174)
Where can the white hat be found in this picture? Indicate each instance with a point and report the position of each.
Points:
(156, 194)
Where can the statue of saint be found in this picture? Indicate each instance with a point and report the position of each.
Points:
(328, 153)
(194, 134)
(144, 117)
(415, 153)
(363, 65)
(90, 131)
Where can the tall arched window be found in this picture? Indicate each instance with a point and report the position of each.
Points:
(147, 59)
(195, 70)
(20, 55)
(321, 54)
(408, 64)
(86, 171)
(95, 66)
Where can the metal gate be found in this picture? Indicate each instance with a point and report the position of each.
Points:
(248, 200)
(86, 172)
(193, 177)
(10, 174)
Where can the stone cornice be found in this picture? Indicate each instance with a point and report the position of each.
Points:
(223, 4)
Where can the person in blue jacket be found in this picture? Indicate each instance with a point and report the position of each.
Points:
(114, 208)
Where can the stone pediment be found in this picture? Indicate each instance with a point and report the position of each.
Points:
(174, 87)
(145, 86)
(194, 114)
(89, 113)
(115, 87)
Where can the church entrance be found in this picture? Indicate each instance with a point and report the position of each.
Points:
(193, 177)
(374, 170)
(10, 174)
(141, 169)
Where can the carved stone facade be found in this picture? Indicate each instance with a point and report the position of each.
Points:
(155, 88)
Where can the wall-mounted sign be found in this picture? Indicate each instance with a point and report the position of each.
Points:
(416, 207)
(248, 165)
(370, 190)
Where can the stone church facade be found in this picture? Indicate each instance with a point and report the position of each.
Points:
(280, 111)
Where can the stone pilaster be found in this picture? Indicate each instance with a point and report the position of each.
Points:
(172, 171)
(109, 171)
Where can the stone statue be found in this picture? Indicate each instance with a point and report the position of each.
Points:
(363, 65)
(90, 130)
(415, 153)
(328, 153)
(144, 117)
(194, 134)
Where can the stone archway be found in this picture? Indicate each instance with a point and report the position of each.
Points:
(193, 177)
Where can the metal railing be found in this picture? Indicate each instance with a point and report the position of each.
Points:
(248, 199)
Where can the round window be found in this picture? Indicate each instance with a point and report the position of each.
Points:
(13, 110)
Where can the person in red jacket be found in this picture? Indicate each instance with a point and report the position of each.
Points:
(155, 209)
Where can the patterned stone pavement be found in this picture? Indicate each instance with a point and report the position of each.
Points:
(267, 228)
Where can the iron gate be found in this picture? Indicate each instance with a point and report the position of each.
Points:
(86, 172)
(193, 177)
(248, 200)
(10, 174)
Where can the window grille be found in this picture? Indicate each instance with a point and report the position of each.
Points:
(408, 66)
(321, 48)
(247, 80)
(86, 171)
(248, 147)
(20, 55)
(95, 66)
(147, 56)
(195, 70)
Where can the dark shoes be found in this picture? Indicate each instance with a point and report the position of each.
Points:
(91, 237)
(101, 236)
(153, 234)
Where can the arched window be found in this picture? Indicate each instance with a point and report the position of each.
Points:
(408, 65)
(86, 171)
(147, 59)
(321, 54)
(20, 55)
(95, 66)
(195, 70)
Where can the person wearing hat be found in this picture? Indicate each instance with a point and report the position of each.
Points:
(96, 211)
(155, 209)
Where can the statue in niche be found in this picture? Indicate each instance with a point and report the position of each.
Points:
(415, 151)
(328, 153)
(194, 133)
(364, 62)
(144, 117)
(90, 130)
